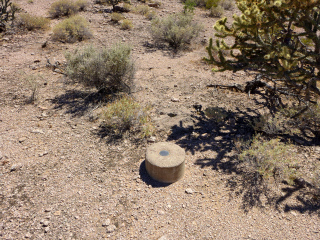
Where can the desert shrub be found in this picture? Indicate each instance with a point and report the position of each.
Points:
(81, 4)
(216, 11)
(267, 159)
(212, 3)
(189, 6)
(71, 30)
(227, 4)
(7, 13)
(271, 124)
(116, 17)
(198, 3)
(33, 84)
(177, 29)
(31, 22)
(126, 24)
(150, 15)
(110, 69)
(127, 7)
(64, 8)
(142, 9)
(125, 114)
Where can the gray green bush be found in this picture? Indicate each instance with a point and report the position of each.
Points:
(177, 29)
(111, 69)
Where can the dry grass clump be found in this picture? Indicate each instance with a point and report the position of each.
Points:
(177, 29)
(66, 8)
(142, 9)
(216, 12)
(31, 22)
(151, 15)
(126, 24)
(267, 159)
(116, 17)
(127, 115)
(111, 69)
(71, 30)
(227, 4)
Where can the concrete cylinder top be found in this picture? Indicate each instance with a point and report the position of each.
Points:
(165, 162)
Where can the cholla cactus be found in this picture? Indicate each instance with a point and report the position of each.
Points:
(7, 11)
(278, 38)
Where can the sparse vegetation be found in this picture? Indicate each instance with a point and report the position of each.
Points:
(125, 114)
(177, 30)
(116, 17)
(66, 8)
(71, 30)
(151, 15)
(126, 24)
(216, 11)
(110, 69)
(32, 83)
(142, 9)
(31, 22)
(267, 159)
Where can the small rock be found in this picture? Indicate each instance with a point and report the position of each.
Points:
(28, 235)
(15, 167)
(46, 229)
(152, 139)
(189, 191)
(57, 213)
(34, 68)
(164, 237)
(106, 223)
(160, 212)
(37, 131)
(5, 39)
(175, 99)
(22, 139)
(42, 154)
(111, 228)
(45, 223)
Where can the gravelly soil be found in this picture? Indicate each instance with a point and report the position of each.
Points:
(61, 178)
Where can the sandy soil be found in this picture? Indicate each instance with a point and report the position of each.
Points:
(60, 178)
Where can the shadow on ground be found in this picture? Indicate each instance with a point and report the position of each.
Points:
(78, 103)
(218, 134)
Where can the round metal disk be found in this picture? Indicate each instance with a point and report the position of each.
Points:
(165, 162)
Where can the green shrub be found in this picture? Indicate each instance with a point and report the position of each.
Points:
(71, 30)
(151, 15)
(227, 4)
(126, 24)
(267, 159)
(110, 69)
(216, 11)
(116, 17)
(125, 114)
(31, 22)
(81, 4)
(142, 9)
(64, 8)
(212, 3)
(189, 6)
(177, 29)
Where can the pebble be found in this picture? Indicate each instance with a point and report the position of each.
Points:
(46, 229)
(42, 154)
(37, 131)
(45, 223)
(152, 139)
(28, 235)
(111, 228)
(22, 139)
(15, 167)
(175, 99)
(106, 223)
(189, 191)
(164, 237)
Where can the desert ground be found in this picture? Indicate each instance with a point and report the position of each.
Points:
(62, 177)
